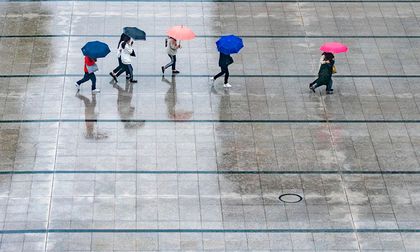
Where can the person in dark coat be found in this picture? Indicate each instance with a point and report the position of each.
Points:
(325, 74)
(224, 61)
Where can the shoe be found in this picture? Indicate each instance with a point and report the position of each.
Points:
(227, 85)
(212, 79)
(133, 81)
(95, 91)
(312, 88)
(163, 69)
(175, 71)
(77, 86)
(330, 92)
(311, 84)
(127, 77)
(113, 77)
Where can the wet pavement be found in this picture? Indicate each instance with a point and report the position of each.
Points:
(173, 163)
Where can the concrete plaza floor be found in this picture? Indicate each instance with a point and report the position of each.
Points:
(173, 163)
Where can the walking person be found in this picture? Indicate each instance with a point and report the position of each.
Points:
(90, 68)
(172, 48)
(224, 61)
(321, 61)
(123, 38)
(325, 74)
(127, 52)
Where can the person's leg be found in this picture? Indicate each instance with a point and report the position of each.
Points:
(92, 77)
(219, 74)
(313, 82)
(122, 70)
(84, 79)
(120, 65)
(130, 71)
(174, 62)
(170, 63)
(329, 86)
(226, 70)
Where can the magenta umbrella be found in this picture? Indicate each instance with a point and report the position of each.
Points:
(334, 47)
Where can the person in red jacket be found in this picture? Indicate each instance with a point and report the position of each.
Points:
(90, 68)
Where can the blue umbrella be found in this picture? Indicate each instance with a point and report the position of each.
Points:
(134, 33)
(229, 44)
(95, 49)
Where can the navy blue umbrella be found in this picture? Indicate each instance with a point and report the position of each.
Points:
(95, 49)
(229, 44)
(134, 33)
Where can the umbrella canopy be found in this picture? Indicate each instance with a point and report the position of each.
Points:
(95, 49)
(181, 32)
(229, 44)
(334, 47)
(134, 33)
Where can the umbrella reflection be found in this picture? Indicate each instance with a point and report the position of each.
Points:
(90, 118)
(171, 101)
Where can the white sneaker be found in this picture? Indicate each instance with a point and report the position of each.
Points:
(77, 86)
(227, 85)
(212, 79)
(95, 91)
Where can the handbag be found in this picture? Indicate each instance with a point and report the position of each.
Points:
(93, 68)
(334, 70)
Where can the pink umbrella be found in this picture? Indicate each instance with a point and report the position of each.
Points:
(334, 47)
(181, 32)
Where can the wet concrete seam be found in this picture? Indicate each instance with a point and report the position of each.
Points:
(227, 1)
(286, 230)
(204, 121)
(211, 172)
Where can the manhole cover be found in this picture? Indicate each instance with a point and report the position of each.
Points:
(290, 198)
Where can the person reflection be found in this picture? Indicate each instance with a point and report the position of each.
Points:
(171, 101)
(90, 117)
(125, 109)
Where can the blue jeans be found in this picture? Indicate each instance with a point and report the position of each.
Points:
(86, 77)
(172, 63)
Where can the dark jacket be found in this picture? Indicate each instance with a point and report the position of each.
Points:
(225, 60)
(325, 73)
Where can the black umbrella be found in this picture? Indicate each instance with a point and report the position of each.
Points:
(135, 33)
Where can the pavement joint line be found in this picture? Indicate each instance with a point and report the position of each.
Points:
(210, 172)
(202, 121)
(210, 36)
(285, 230)
(226, 1)
(209, 75)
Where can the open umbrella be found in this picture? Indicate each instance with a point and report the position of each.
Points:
(229, 44)
(95, 49)
(181, 32)
(134, 33)
(334, 47)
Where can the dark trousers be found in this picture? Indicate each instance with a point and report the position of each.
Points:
(128, 69)
(119, 67)
(86, 77)
(329, 85)
(172, 63)
(224, 71)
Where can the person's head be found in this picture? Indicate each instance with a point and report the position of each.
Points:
(328, 56)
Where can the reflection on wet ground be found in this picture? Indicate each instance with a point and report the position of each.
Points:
(174, 163)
